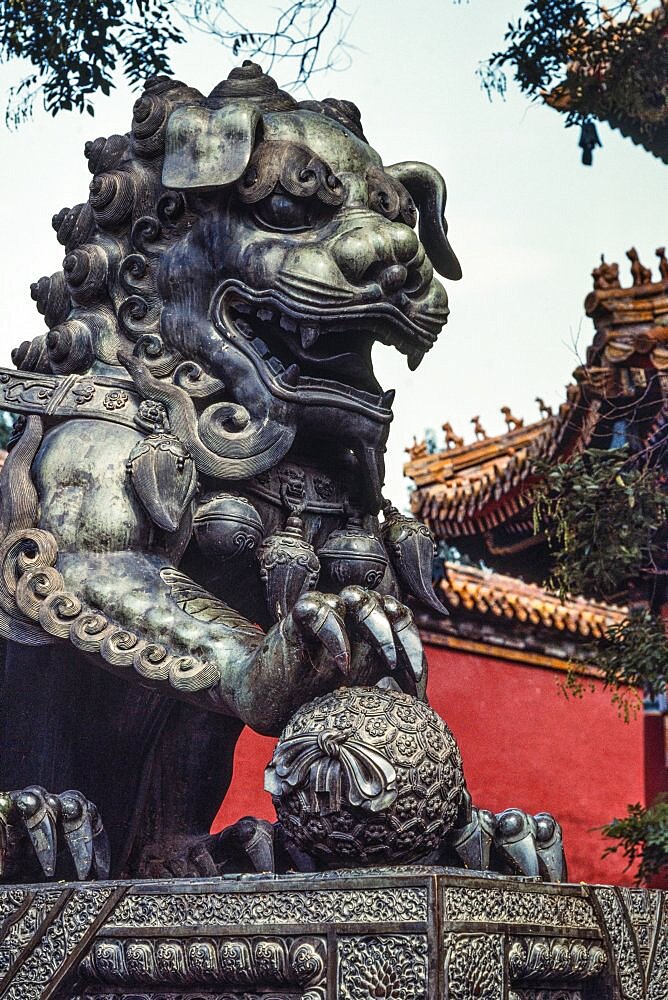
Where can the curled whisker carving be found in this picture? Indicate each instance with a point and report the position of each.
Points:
(171, 207)
(145, 235)
(52, 298)
(261, 446)
(27, 549)
(18, 495)
(31, 584)
(86, 270)
(88, 630)
(57, 613)
(151, 111)
(295, 168)
(132, 270)
(389, 197)
(194, 380)
(112, 197)
(150, 349)
(73, 225)
(106, 154)
(70, 347)
(32, 355)
(136, 317)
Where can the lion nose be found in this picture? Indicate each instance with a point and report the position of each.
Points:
(393, 278)
(364, 253)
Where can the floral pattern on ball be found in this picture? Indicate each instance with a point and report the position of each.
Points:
(366, 776)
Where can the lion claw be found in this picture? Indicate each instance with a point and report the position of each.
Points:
(35, 809)
(366, 612)
(316, 617)
(382, 623)
(44, 821)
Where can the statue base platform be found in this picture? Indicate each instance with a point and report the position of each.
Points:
(396, 934)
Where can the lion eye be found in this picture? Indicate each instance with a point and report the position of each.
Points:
(280, 211)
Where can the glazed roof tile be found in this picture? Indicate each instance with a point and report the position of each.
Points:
(474, 590)
(471, 488)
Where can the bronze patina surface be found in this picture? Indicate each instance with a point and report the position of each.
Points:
(194, 537)
(404, 934)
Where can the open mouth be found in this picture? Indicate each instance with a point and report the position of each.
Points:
(321, 351)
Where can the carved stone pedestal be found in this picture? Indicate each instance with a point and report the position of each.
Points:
(402, 934)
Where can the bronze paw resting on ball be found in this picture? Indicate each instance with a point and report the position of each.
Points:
(372, 776)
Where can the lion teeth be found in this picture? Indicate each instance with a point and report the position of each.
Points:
(276, 366)
(287, 323)
(243, 307)
(309, 336)
(291, 375)
(265, 315)
(260, 347)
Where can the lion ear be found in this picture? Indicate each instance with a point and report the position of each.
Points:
(208, 148)
(427, 189)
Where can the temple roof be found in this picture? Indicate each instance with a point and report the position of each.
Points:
(483, 488)
(470, 488)
(467, 588)
(602, 65)
(631, 322)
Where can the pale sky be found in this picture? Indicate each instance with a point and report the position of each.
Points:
(527, 220)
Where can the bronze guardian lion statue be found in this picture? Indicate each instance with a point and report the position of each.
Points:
(190, 508)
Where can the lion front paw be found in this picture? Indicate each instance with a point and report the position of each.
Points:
(511, 842)
(42, 833)
(357, 616)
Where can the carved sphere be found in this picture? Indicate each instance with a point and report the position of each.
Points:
(366, 776)
(352, 555)
(226, 526)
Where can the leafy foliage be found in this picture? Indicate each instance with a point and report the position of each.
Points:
(633, 661)
(6, 427)
(600, 514)
(76, 47)
(296, 37)
(604, 60)
(635, 652)
(642, 835)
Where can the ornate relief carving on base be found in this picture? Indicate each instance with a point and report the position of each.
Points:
(554, 958)
(10, 902)
(632, 918)
(37, 971)
(297, 963)
(474, 966)
(527, 906)
(390, 966)
(197, 995)
(23, 926)
(333, 906)
(643, 910)
(545, 995)
(340, 936)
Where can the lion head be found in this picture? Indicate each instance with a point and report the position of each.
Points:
(248, 250)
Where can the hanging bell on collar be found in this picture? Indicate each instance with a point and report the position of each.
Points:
(288, 566)
(227, 526)
(352, 555)
(411, 546)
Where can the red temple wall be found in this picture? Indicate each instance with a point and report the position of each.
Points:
(656, 771)
(523, 744)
